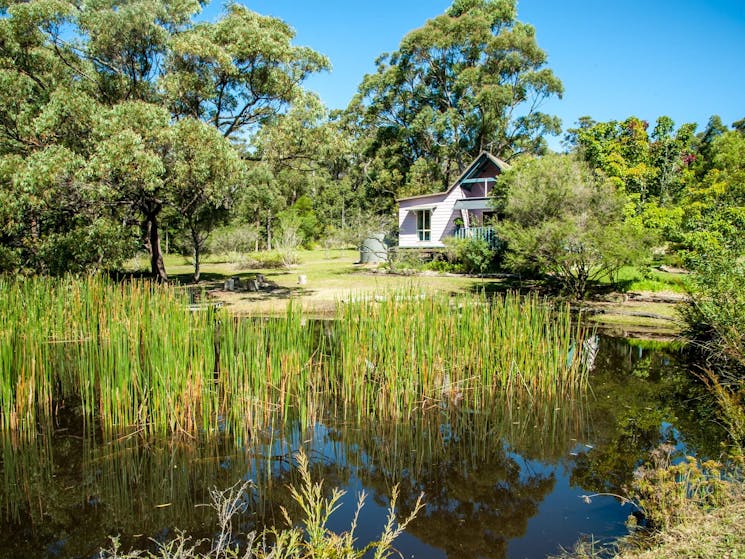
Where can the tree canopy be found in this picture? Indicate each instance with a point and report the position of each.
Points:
(104, 102)
(471, 79)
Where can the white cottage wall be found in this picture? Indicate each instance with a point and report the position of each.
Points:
(442, 222)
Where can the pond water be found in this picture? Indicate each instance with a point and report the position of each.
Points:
(505, 483)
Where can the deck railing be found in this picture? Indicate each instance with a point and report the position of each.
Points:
(484, 233)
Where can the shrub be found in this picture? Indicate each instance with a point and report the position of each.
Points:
(404, 261)
(474, 255)
(562, 220)
(715, 314)
(234, 239)
(666, 492)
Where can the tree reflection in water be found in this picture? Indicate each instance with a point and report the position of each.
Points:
(69, 491)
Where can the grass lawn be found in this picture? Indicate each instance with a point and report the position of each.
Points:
(632, 278)
(333, 275)
(330, 275)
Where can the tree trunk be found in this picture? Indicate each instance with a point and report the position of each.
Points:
(269, 231)
(197, 244)
(157, 267)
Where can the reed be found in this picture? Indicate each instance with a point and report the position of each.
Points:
(135, 360)
(409, 350)
(131, 355)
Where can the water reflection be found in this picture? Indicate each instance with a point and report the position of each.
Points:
(498, 483)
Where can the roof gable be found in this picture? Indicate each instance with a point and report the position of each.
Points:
(484, 160)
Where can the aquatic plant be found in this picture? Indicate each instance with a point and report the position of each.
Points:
(130, 355)
(408, 350)
(136, 358)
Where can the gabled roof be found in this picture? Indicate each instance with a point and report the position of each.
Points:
(472, 169)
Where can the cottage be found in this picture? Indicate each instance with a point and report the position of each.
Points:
(462, 211)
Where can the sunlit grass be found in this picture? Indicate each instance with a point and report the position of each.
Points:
(633, 278)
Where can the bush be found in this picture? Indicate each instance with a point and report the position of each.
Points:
(667, 492)
(562, 220)
(233, 239)
(405, 261)
(715, 313)
(269, 259)
(474, 256)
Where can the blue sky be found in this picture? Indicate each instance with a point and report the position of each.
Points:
(616, 58)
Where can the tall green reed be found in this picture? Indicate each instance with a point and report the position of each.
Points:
(401, 353)
(136, 360)
(130, 355)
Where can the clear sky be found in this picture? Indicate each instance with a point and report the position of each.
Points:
(616, 58)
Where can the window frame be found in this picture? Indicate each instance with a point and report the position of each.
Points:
(424, 225)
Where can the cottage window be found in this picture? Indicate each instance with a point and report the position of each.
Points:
(424, 224)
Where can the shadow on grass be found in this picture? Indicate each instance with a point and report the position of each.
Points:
(513, 284)
(215, 281)
(545, 286)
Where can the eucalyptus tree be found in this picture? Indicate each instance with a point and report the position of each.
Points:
(129, 166)
(471, 79)
(714, 207)
(233, 75)
(51, 218)
(308, 155)
(238, 72)
(203, 174)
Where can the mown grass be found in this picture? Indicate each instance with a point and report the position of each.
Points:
(332, 274)
(138, 361)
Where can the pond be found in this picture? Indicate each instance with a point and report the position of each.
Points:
(504, 482)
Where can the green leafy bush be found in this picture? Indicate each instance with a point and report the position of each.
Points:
(564, 221)
(476, 256)
(715, 314)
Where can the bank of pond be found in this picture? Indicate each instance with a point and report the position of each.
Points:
(122, 406)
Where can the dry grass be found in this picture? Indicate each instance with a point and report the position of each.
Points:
(332, 275)
(717, 534)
